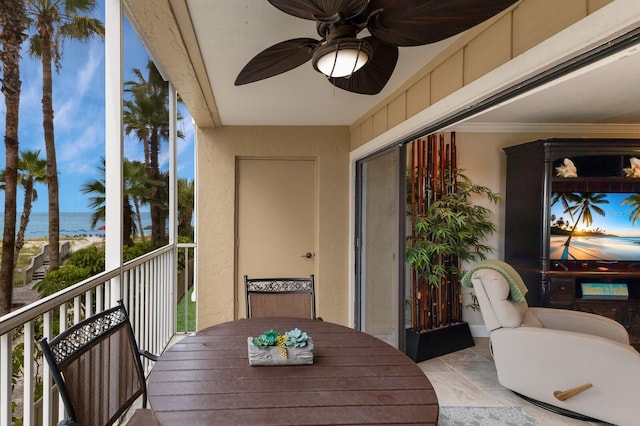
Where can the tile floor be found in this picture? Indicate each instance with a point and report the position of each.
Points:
(468, 377)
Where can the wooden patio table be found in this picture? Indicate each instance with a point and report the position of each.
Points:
(355, 379)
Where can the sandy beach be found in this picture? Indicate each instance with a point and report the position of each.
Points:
(595, 248)
(80, 243)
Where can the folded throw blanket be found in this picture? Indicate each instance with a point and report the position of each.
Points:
(517, 287)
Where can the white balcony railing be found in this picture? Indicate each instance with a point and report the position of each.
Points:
(148, 288)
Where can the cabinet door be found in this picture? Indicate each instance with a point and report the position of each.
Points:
(632, 323)
(562, 289)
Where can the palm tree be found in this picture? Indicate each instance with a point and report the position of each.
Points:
(51, 22)
(584, 202)
(12, 30)
(146, 115)
(634, 202)
(185, 207)
(31, 170)
(135, 184)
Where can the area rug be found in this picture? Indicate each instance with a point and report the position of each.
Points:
(485, 416)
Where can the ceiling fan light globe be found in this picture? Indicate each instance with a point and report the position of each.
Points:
(341, 57)
(342, 63)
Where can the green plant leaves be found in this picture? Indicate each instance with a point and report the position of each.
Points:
(453, 230)
(296, 338)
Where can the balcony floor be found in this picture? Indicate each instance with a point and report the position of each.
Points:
(468, 378)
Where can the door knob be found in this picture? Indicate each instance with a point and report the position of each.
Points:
(308, 255)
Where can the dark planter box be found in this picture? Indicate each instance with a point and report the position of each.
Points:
(420, 346)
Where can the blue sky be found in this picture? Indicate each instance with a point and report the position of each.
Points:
(616, 221)
(78, 96)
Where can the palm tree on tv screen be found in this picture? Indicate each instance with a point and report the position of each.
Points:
(634, 202)
(584, 203)
(564, 199)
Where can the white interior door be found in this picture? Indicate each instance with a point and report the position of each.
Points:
(275, 220)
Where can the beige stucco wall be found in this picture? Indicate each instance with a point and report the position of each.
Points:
(218, 150)
(473, 55)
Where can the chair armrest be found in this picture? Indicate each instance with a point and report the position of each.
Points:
(148, 355)
(581, 322)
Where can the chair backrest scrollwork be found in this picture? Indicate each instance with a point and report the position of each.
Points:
(284, 297)
(97, 368)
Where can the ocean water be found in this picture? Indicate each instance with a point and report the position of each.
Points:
(71, 224)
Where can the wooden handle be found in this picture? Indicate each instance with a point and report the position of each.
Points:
(564, 395)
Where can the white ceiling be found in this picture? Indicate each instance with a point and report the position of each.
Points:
(231, 32)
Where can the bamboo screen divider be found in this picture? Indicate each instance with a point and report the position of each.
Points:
(432, 171)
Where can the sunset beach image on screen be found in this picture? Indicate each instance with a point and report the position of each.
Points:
(614, 236)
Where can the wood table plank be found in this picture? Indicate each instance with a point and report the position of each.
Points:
(355, 379)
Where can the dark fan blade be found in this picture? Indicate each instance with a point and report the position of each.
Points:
(330, 11)
(418, 22)
(371, 79)
(279, 58)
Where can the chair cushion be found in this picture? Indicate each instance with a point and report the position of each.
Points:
(491, 286)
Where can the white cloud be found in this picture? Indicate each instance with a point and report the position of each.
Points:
(82, 154)
(70, 96)
(64, 113)
(86, 75)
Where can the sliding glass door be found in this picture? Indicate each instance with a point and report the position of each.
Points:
(379, 247)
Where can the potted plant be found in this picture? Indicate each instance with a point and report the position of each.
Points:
(449, 230)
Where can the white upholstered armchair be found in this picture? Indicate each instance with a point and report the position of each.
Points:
(572, 360)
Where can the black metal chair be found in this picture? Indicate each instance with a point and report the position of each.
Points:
(97, 368)
(280, 297)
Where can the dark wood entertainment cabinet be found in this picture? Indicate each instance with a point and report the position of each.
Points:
(531, 183)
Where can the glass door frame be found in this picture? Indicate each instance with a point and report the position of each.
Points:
(400, 152)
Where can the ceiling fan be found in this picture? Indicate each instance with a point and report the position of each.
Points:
(364, 65)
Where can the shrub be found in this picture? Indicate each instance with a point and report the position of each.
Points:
(90, 258)
(137, 250)
(60, 279)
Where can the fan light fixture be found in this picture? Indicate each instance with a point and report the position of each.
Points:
(364, 65)
(341, 58)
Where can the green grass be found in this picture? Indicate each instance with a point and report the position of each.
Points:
(191, 315)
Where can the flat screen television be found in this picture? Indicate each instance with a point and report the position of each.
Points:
(594, 229)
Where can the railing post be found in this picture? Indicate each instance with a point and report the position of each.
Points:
(5, 380)
(28, 376)
(114, 142)
(47, 379)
